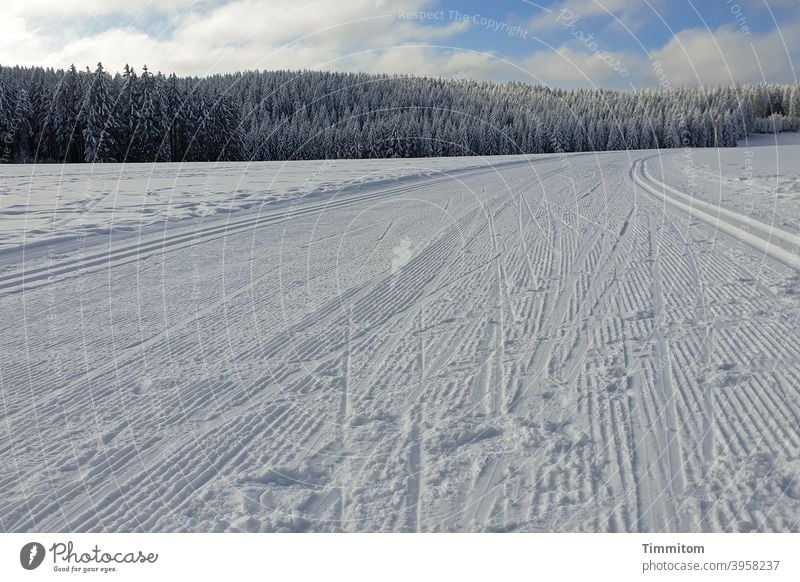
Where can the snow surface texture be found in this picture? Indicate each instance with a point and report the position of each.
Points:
(41, 202)
(550, 343)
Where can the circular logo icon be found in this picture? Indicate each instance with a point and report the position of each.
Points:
(31, 555)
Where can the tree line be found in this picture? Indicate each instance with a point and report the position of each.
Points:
(49, 115)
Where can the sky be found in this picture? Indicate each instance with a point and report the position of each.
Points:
(617, 44)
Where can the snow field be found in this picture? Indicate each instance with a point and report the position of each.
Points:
(551, 344)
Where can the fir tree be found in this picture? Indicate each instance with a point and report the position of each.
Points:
(151, 136)
(98, 135)
(6, 118)
(68, 119)
(125, 115)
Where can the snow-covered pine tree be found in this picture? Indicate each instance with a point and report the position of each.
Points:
(633, 134)
(176, 115)
(225, 130)
(198, 135)
(540, 138)
(6, 115)
(672, 133)
(124, 114)
(395, 148)
(98, 135)
(23, 143)
(68, 119)
(616, 140)
(794, 102)
(41, 93)
(152, 139)
(726, 135)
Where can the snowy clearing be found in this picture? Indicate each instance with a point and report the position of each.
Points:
(583, 342)
(41, 202)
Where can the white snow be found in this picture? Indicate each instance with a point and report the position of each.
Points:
(588, 342)
(759, 179)
(40, 202)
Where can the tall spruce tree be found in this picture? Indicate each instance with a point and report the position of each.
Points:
(151, 136)
(6, 118)
(100, 128)
(68, 117)
(125, 116)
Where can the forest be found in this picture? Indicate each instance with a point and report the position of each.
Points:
(72, 116)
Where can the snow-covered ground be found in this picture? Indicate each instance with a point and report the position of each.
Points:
(41, 202)
(554, 343)
(758, 178)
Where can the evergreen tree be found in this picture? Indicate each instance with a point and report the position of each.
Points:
(794, 101)
(151, 136)
(68, 118)
(23, 134)
(176, 114)
(41, 95)
(6, 118)
(616, 141)
(225, 132)
(125, 115)
(98, 135)
(394, 144)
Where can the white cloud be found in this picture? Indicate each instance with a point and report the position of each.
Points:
(430, 61)
(630, 13)
(202, 37)
(586, 8)
(59, 9)
(699, 56)
(241, 34)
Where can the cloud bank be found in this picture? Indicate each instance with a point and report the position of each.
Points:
(203, 37)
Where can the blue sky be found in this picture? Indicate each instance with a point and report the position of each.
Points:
(646, 21)
(566, 43)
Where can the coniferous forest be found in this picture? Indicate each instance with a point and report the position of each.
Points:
(49, 115)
